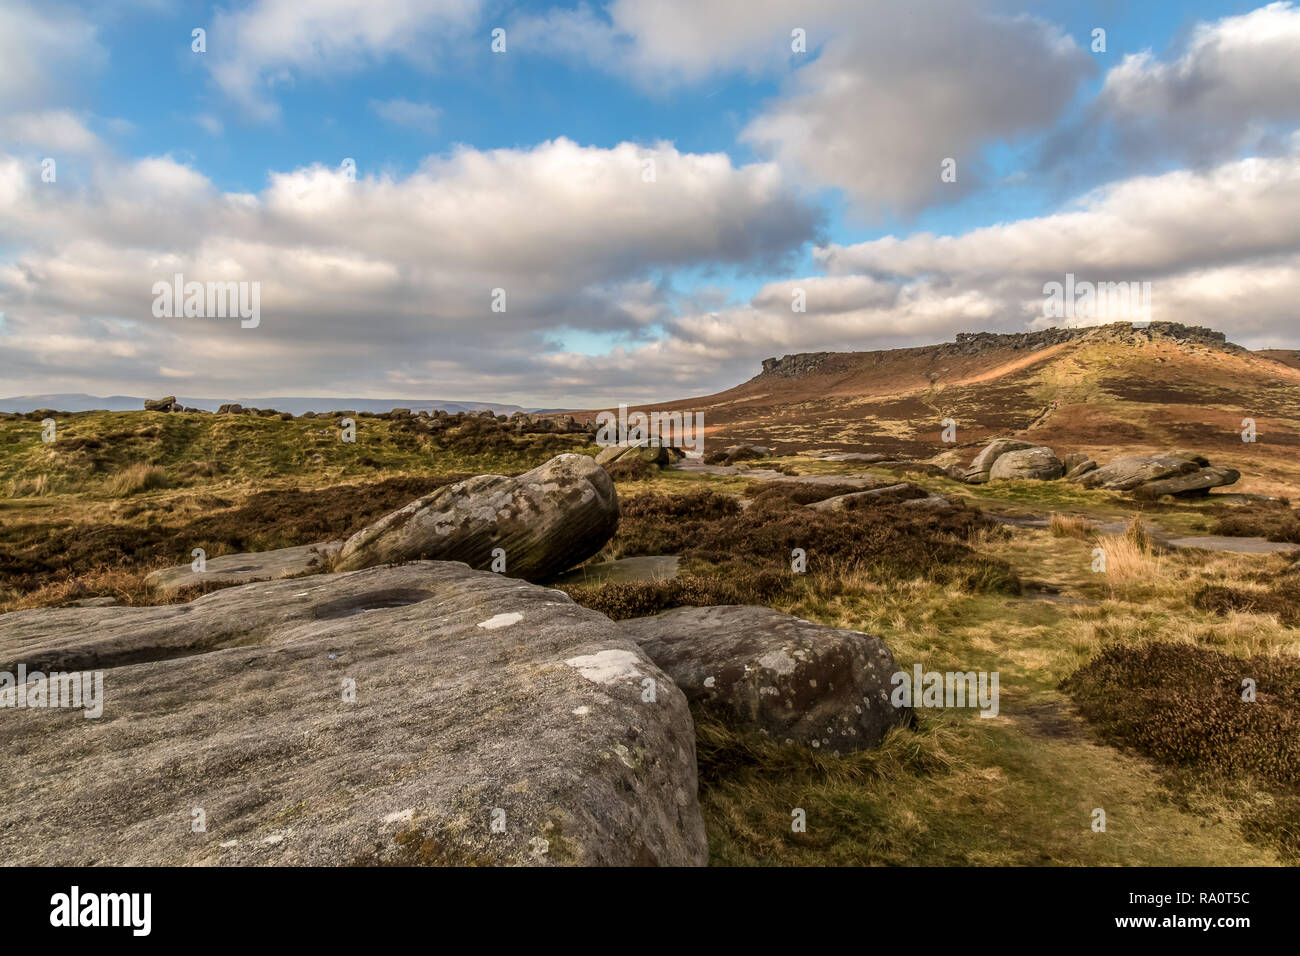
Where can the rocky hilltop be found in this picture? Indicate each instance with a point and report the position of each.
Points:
(984, 343)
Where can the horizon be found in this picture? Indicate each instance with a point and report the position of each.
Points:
(600, 206)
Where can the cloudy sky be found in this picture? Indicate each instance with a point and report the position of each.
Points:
(654, 184)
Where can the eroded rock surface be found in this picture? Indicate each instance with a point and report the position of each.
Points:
(795, 681)
(244, 568)
(474, 694)
(545, 521)
(1036, 464)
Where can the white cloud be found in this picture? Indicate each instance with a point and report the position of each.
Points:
(373, 283)
(884, 93)
(1237, 81)
(877, 116)
(417, 116)
(44, 51)
(274, 43)
(50, 131)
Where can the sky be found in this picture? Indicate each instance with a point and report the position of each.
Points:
(581, 204)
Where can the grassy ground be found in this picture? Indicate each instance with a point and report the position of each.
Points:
(121, 493)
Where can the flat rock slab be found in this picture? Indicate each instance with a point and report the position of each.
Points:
(475, 697)
(653, 567)
(246, 568)
(791, 679)
(901, 492)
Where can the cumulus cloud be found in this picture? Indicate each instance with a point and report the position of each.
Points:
(676, 42)
(45, 49)
(376, 283)
(1221, 248)
(274, 43)
(882, 96)
(877, 117)
(1236, 85)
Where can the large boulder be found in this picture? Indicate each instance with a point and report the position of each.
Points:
(759, 669)
(546, 521)
(245, 568)
(159, 404)
(392, 715)
(1192, 484)
(1125, 474)
(1037, 464)
(650, 454)
(978, 470)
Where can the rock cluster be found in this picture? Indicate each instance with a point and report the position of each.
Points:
(1177, 473)
(413, 711)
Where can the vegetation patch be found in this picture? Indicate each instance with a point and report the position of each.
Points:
(744, 556)
(1182, 706)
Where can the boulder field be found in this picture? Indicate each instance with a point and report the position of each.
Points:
(1179, 473)
(409, 711)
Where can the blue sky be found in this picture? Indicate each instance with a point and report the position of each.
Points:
(226, 163)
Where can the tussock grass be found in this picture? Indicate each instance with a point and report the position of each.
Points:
(1071, 526)
(35, 487)
(136, 479)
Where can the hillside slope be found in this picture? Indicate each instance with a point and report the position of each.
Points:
(1107, 391)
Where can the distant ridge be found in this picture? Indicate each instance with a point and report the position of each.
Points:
(79, 402)
(980, 343)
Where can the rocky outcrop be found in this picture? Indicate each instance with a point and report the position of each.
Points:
(980, 343)
(650, 454)
(1126, 474)
(759, 669)
(1033, 464)
(545, 521)
(245, 568)
(420, 714)
(1179, 473)
(1191, 484)
(979, 468)
(1077, 464)
(166, 404)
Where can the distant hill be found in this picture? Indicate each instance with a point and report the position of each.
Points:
(1109, 391)
(76, 402)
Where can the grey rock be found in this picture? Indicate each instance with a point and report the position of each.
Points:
(1194, 483)
(243, 568)
(159, 404)
(473, 692)
(793, 680)
(1125, 474)
(650, 454)
(547, 520)
(900, 492)
(747, 452)
(1082, 468)
(978, 470)
(1038, 464)
(234, 408)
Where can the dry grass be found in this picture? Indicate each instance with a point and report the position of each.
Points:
(35, 487)
(137, 478)
(1071, 526)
